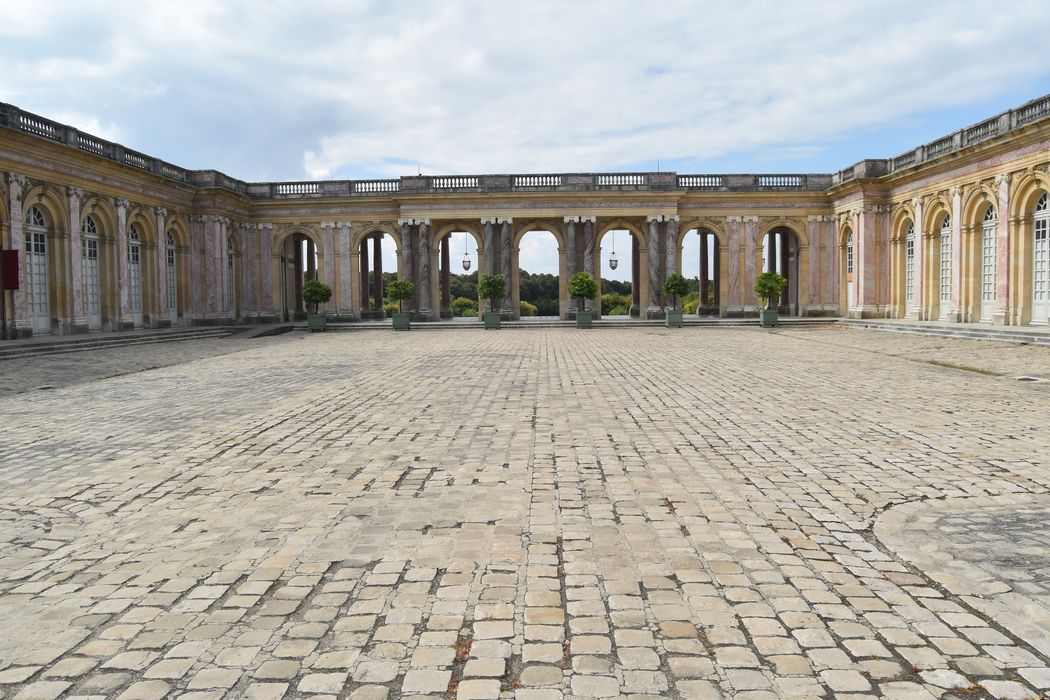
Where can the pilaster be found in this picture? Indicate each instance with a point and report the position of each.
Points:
(76, 260)
(123, 291)
(1001, 314)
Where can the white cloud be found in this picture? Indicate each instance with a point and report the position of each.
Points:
(470, 86)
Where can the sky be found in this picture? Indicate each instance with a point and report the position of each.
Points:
(282, 90)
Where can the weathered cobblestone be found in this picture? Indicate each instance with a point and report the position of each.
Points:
(531, 515)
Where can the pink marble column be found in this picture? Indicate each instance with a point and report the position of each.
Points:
(955, 312)
(196, 265)
(124, 294)
(919, 262)
(249, 265)
(161, 278)
(734, 299)
(76, 262)
(1001, 315)
(830, 297)
(344, 306)
(816, 258)
(750, 261)
(266, 267)
(864, 259)
(213, 276)
(19, 320)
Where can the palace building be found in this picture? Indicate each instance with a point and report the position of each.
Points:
(108, 238)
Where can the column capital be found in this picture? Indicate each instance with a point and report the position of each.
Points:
(570, 219)
(265, 225)
(662, 217)
(16, 177)
(734, 219)
(1001, 178)
(121, 203)
(74, 192)
(750, 219)
(415, 222)
(160, 211)
(488, 219)
(327, 224)
(589, 219)
(504, 220)
(916, 202)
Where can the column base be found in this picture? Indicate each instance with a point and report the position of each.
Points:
(1000, 318)
(654, 314)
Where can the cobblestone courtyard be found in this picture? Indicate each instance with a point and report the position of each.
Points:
(529, 515)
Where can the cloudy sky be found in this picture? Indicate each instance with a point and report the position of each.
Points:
(285, 90)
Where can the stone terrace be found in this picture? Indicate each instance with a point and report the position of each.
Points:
(530, 515)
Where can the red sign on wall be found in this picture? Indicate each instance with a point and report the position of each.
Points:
(9, 269)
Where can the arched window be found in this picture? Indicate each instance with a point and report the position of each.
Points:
(909, 267)
(135, 274)
(36, 270)
(90, 274)
(946, 264)
(988, 262)
(171, 276)
(1041, 262)
(849, 253)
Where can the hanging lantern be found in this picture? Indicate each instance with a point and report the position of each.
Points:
(466, 258)
(613, 262)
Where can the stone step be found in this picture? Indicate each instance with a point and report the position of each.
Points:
(993, 333)
(552, 324)
(95, 341)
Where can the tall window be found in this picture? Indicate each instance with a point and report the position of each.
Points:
(135, 274)
(36, 270)
(946, 262)
(1041, 262)
(988, 254)
(849, 253)
(230, 285)
(170, 274)
(909, 265)
(89, 267)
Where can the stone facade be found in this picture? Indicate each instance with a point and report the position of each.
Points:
(952, 230)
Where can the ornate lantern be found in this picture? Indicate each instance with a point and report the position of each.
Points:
(466, 258)
(613, 262)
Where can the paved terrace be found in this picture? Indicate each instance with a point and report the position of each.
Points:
(641, 512)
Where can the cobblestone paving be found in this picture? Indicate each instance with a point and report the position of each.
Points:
(530, 515)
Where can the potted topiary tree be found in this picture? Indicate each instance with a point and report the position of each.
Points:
(316, 293)
(399, 290)
(492, 287)
(769, 286)
(676, 286)
(581, 287)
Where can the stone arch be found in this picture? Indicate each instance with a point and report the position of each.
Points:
(442, 301)
(373, 228)
(934, 213)
(557, 229)
(1028, 190)
(901, 218)
(794, 299)
(367, 298)
(696, 223)
(847, 263)
(177, 226)
(518, 231)
(144, 224)
(639, 272)
(976, 202)
(1025, 193)
(289, 270)
(720, 264)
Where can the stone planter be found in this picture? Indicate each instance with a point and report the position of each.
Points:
(401, 321)
(584, 319)
(317, 322)
(768, 317)
(674, 318)
(492, 319)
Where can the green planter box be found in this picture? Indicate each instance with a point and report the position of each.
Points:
(674, 318)
(401, 321)
(317, 322)
(768, 317)
(491, 319)
(584, 319)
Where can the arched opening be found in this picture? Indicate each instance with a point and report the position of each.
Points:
(944, 279)
(780, 254)
(618, 273)
(378, 265)
(297, 263)
(909, 270)
(38, 298)
(135, 275)
(989, 255)
(458, 274)
(171, 277)
(539, 274)
(1041, 261)
(706, 263)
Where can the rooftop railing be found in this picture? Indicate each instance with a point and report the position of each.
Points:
(16, 119)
